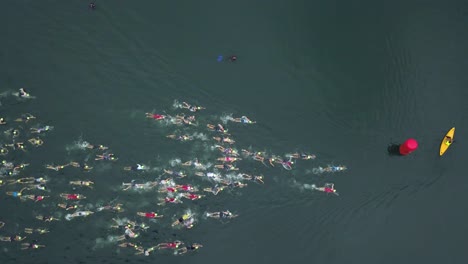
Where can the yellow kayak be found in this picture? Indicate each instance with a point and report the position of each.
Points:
(447, 141)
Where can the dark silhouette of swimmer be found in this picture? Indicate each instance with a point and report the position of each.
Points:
(233, 58)
(92, 5)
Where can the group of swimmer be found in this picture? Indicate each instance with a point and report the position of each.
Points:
(171, 186)
(17, 130)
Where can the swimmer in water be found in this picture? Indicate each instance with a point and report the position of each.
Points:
(189, 248)
(214, 190)
(155, 116)
(333, 168)
(56, 168)
(195, 163)
(180, 138)
(84, 166)
(69, 206)
(217, 128)
(14, 238)
(41, 187)
(139, 249)
(221, 215)
(169, 245)
(20, 166)
(128, 233)
(301, 155)
(106, 156)
(137, 167)
(46, 218)
(2, 224)
(191, 108)
(17, 194)
(186, 220)
(35, 198)
(258, 179)
(7, 164)
(224, 140)
(39, 130)
(187, 188)
(327, 188)
(98, 147)
(72, 196)
(211, 175)
(226, 167)
(92, 6)
(115, 208)
(167, 200)
(3, 151)
(139, 186)
(181, 119)
(234, 184)
(40, 231)
(179, 174)
(227, 151)
(229, 159)
(82, 183)
(193, 196)
(274, 159)
(23, 94)
(36, 142)
(28, 180)
(2, 121)
(149, 215)
(233, 58)
(25, 118)
(287, 164)
(31, 245)
(78, 214)
(243, 120)
(168, 189)
(17, 145)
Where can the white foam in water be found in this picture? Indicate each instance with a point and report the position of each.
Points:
(80, 144)
(226, 118)
(200, 136)
(176, 104)
(103, 242)
(175, 162)
(303, 186)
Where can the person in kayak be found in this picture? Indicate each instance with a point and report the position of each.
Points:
(448, 140)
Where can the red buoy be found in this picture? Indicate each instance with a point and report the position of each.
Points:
(409, 146)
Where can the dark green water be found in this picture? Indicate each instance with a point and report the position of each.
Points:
(342, 79)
